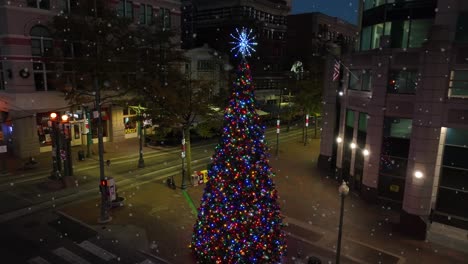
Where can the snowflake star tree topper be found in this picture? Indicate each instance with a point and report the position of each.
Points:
(244, 42)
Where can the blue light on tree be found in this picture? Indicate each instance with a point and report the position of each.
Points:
(244, 42)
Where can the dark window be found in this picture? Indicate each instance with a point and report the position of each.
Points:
(362, 130)
(2, 78)
(349, 118)
(165, 17)
(394, 157)
(453, 184)
(410, 33)
(41, 41)
(42, 4)
(446, 204)
(402, 82)
(205, 65)
(44, 76)
(462, 27)
(360, 80)
(125, 9)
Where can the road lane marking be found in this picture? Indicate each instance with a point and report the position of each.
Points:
(69, 256)
(38, 260)
(147, 261)
(100, 252)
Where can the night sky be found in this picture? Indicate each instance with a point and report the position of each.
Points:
(344, 9)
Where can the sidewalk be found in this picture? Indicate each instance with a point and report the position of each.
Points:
(159, 220)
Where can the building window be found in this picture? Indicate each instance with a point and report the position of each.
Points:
(2, 78)
(42, 4)
(394, 158)
(125, 9)
(348, 138)
(453, 184)
(41, 41)
(205, 65)
(146, 14)
(165, 16)
(72, 50)
(461, 34)
(403, 34)
(360, 80)
(402, 82)
(410, 33)
(44, 77)
(458, 86)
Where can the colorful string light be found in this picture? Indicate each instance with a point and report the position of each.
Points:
(239, 219)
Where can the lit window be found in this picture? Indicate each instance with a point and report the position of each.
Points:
(458, 86)
(462, 28)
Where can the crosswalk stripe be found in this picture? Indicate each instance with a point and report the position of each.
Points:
(69, 256)
(100, 252)
(38, 260)
(147, 261)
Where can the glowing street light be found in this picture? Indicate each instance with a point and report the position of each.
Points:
(339, 140)
(365, 152)
(418, 174)
(352, 145)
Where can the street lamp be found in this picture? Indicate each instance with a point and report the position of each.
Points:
(365, 152)
(339, 140)
(343, 190)
(418, 174)
(278, 122)
(139, 109)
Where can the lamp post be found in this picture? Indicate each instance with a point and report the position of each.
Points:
(139, 109)
(343, 190)
(65, 154)
(278, 122)
(56, 163)
(89, 139)
(306, 127)
(183, 186)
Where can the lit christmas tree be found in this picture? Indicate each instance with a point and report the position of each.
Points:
(239, 218)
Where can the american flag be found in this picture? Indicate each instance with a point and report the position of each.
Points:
(336, 70)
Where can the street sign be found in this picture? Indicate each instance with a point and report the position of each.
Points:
(3, 149)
